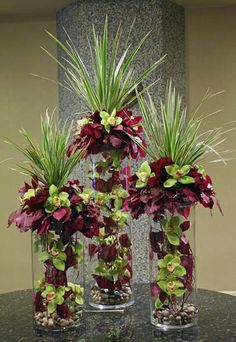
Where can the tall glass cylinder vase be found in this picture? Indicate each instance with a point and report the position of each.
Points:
(58, 279)
(172, 270)
(110, 252)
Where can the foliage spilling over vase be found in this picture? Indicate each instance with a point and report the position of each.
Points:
(58, 214)
(167, 189)
(108, 133)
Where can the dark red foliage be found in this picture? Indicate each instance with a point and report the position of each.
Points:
(104, 283)
(124, 240)
(54, 276)
(63, 311)
(95, 137)
(154, 198)
(107, 252)
(32, 214)
(38, 302)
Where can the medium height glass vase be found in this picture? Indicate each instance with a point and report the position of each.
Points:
(110, 252)
(172, 270)
(58, 279)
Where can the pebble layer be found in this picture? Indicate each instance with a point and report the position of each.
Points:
(179, 316)
(111, 297)
(44, 320)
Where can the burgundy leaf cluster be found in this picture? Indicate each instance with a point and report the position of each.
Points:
(154, 198)
(66, 221)
(94, 136)
(109, 253)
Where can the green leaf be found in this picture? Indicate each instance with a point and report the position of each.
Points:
(53, 190)
(158, 303)
(175, 221)
(173, 239)
(163, 285)
(161, 263)
(179, 292)
(185, 169)
(139, 184)
(62, 256)
(170, 182)
(118, 203)
(145, 167)
(51, 307)
(59, 264)
(186, 180)
(172, 169)
(79, 300)
(44, 256)
(179, 271)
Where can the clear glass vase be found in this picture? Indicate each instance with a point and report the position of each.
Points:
(110, 253)
(58, 278)
(172, 270)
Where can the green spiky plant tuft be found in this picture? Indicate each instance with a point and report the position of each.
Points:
(177, 134)
(48, 162)
(112, 87)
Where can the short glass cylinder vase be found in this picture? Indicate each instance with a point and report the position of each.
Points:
(58, 279)
(172, 270)
(110, 252)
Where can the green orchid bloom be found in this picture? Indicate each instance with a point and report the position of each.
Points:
(170, 267)
(172, 229)
(109, 121)
(201, 170)
(56, 200)
(53, 296)
(120, 217)
(86, 195)
(28, 194)
(39, 285)
(118, 194)
(101, 199)
(143, 174)
(78, 293)
(56, 255)
(172, 287)
(178, 174)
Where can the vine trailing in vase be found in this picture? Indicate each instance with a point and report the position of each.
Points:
(57, 213)
(109, 132)
(167, 189)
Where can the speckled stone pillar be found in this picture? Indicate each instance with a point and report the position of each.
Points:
(165, 20)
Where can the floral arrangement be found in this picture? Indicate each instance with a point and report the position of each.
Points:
(167, 189)
(57, 213)
(109, 132)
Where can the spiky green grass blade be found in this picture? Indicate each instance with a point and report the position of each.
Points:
(173, 133)
(113, 80)
(48, 161)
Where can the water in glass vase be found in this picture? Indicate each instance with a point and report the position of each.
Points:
(58, 279)
(110, 252)
(172, 270)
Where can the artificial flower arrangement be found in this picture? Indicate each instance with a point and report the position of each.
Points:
(108, 133)
(167, 190)
(58, 212)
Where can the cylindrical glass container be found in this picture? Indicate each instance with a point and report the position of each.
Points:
(172, 270)
(58, 279)
(110, 253)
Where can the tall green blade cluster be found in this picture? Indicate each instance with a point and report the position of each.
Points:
(173, 133)
(113, 79)
(48, 161)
